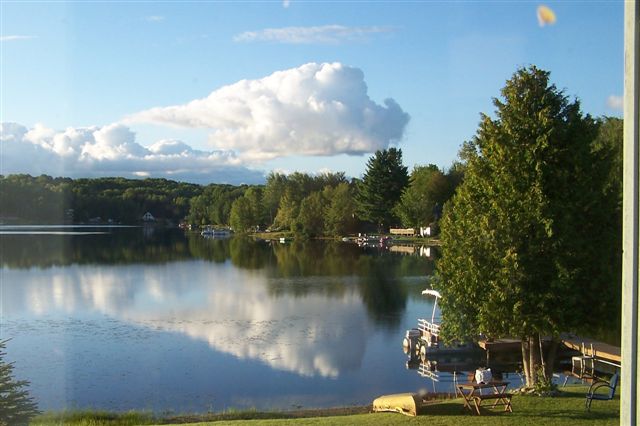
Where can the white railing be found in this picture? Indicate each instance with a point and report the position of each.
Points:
(426, 326)
(424, 371)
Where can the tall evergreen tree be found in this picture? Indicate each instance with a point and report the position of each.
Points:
(16, 405)
(519, 253)
(381, 187)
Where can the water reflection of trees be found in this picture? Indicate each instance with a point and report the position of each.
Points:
(214, 250)
(115, 246)
(248, 254)
(381, 289)
(376, 275)
(301, 268)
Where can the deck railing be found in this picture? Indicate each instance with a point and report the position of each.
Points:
(424, 371)
(426, 326)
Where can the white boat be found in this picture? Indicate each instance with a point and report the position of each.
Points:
(216, 233)
(425, 339)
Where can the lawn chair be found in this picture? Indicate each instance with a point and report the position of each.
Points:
(611, 385)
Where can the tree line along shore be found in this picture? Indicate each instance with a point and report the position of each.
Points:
(327, 204)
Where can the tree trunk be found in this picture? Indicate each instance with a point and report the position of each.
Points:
(543, 367)
(524, 344)
(551, 357)
(534, 360)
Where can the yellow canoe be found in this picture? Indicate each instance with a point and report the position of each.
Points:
(404, 403)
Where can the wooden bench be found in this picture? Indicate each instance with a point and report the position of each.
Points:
(500, 399)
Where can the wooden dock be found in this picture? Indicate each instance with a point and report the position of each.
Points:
(601, 351)
(500, 345)
(403, 249)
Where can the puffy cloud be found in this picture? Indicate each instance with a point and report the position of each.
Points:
(113, 150)
(170, 147)
(325, 34)
(286, 3)
(113, 142)
(615, 102)
(315, 109)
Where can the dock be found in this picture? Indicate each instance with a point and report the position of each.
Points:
(500, 344)
(603, 352)
(403, 249)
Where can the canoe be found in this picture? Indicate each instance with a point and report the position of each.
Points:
(403, 403)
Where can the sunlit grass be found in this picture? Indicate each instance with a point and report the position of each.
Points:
(92, 418)
(567, 409)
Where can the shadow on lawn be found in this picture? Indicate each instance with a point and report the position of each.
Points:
(567, 406)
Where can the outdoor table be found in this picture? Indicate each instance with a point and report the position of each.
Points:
(472, 394)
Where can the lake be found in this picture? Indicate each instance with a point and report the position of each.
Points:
(150, 318)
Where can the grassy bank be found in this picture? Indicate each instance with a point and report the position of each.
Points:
(271, 235)
(567, 409)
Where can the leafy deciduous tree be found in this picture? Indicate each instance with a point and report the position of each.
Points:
(287, 212)
(311, 215)
(339, 216)
(427, 186)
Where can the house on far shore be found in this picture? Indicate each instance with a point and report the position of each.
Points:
(148, 217)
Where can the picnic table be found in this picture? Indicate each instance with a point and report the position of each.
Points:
(473, 396)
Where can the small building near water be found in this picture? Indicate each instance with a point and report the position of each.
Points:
(425, 231)
(148, 217)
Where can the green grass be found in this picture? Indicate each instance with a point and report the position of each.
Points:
(567, 409)
(92, 418)
(272, 235)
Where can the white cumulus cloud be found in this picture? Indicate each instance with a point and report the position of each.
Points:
(315, 109)
(112, 150)
(324, 34)
(615, 102)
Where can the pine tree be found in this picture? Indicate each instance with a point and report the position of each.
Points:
(16, 406)
(381, 187)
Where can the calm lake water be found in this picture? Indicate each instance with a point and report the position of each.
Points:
(144, 318)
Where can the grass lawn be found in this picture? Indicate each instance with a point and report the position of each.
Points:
(567, 409)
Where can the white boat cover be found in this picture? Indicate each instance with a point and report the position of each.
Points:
(431, 293)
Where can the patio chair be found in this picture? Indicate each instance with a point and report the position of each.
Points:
(591, 394)
(585, 363)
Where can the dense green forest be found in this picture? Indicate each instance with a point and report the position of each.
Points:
(47, 200)
(387, 195)
(308, 205)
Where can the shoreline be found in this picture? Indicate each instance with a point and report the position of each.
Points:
(528, 409)
(228, 414)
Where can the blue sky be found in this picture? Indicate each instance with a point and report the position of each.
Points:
(156, 88)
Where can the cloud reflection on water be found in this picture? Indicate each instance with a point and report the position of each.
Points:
(230, 309)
